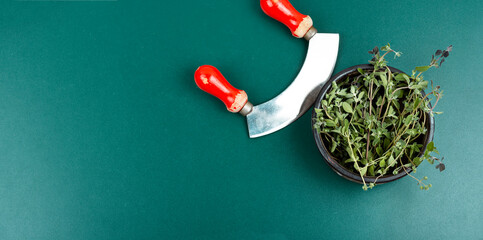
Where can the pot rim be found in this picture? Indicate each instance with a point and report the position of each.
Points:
(331, 161)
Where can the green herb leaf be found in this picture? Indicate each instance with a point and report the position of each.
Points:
(371, 170)
(347, 107)
(382, 163)
(399, 77)
(391, 162)
(383, 79)
(334, 145)
(417, 161)
(363, 171)
(422, 68)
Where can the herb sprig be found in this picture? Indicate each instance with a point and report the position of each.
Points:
(374, 122)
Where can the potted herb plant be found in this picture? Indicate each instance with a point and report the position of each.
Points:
(374, 123)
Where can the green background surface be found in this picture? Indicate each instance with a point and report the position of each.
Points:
(104, 135)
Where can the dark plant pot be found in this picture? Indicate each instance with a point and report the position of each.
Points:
(331, 161)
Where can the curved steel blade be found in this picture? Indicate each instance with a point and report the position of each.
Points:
(294, 101)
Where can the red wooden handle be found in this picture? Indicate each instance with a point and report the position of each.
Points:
(210, 80)
(284, 12)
